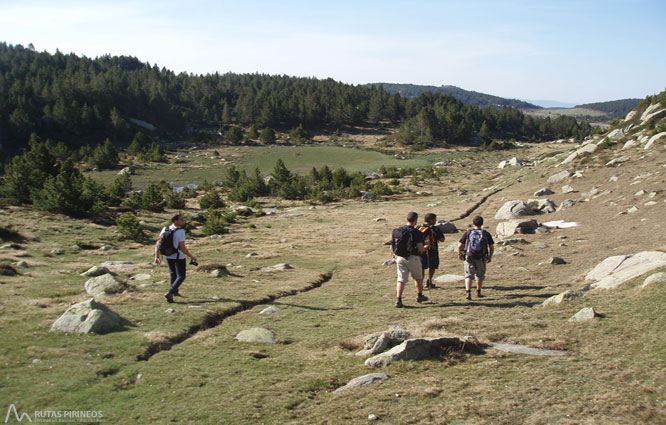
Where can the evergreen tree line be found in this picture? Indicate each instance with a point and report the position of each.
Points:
(83, 101)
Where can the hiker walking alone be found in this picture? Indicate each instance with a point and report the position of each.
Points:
(432, 235)
(476, 248)
(171, 243)
(407, 244)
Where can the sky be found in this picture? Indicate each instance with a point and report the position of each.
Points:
(569, 51)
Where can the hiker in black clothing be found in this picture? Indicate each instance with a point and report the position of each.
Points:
(176, 262)
(407, 244)
(430, 259)
(476, 248)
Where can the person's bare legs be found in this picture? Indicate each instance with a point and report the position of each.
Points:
(400, 287)
(419, 285)
(479, 283)
(468, 288)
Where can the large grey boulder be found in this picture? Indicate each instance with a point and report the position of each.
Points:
(362, 381)
(376, 344)
(509, 228)
(543, 206)
(513, 209)
(614, 271)
(566, 204)
(513, 162)
(562, 175)
(652, 111)
(256, 335)
(87, 317)
(584, 315)
(104, 285)
(564, 296)
(630, 115)
(446, 226)
(616, 134)
(95, 271)
(415, 349)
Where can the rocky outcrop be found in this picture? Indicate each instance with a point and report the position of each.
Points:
(616, 270)
(654, 139)
(446, 226)
(584, 315)
(542, 206)
(87, 317)
(562, 175)
(564, 296)
(509, 228)
(543, 192)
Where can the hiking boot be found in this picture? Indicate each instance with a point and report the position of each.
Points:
(177, 294)
(168, 297)
(430, 285)
(398, 303)
(469, 295)
(478, 294)
(420, 298)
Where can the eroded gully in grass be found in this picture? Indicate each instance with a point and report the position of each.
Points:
(478, 204)
(215, 318)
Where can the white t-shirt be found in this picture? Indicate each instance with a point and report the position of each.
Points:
(178, 237)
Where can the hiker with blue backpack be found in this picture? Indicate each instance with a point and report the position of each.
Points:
(407, 243)
(476, 248)
(171, 244)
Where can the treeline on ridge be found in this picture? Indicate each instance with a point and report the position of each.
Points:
(83, 101)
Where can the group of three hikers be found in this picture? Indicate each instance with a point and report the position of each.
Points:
(415, 249)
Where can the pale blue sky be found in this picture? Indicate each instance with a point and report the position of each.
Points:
(571, 51)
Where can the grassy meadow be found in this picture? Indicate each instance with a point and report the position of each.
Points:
(613, 372)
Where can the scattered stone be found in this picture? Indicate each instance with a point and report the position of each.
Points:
(271, 310)
(367, 197)
(169, 310)
(584, 315)
(566, 204)
(617, 161)
(251, 254)
(416, 349)
(126, 170)
(612, 179)
(540, 245)
(513, 209)
(567, 189)
(141, 277)
(524, 349)
(564, 296)
(87, 317)
(372, 417)
(57, 251)
(108, 248)
(514, 241)
(219, 272)
(449, 278)
(659, 277)
(630, 144)
(95, 271)
(446, 226)
(543, 206)
(632, 210)
(513, 162)
(543, 192)
(639, 193)
(650, 203)
(119, 265)
(562, 175)
(256, 335)
(363, 381)
(557, 260)
(616, 270)
(104, 285)
(378, 219)
(277, 267)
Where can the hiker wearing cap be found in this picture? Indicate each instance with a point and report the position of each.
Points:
(476, 248)
(407, 243)
(171, 243)
(432, 235)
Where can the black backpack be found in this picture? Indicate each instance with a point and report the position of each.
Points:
(401, 242)
(165, 242)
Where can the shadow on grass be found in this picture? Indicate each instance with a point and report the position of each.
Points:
(474, 303)
(515, 288)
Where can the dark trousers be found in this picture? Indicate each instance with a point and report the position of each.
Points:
(177, 272)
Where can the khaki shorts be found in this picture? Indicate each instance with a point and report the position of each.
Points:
(409, 265)
(476, 268)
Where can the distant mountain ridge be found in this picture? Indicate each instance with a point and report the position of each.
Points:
(465, 96)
